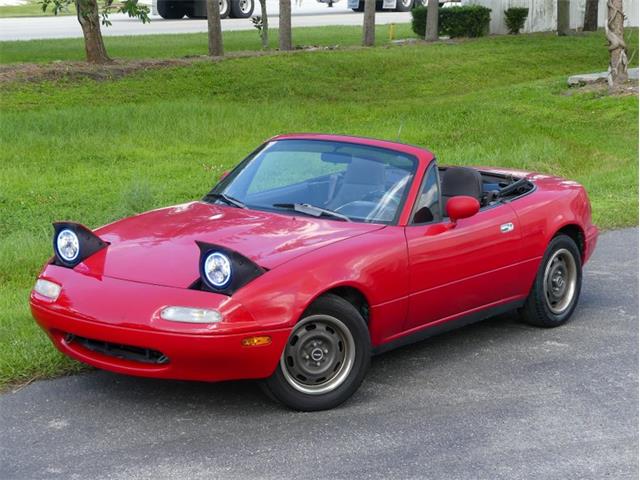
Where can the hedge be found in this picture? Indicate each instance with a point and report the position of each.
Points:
(467, 21)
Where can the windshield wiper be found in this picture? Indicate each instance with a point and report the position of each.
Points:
(312, 210)
(234, 202)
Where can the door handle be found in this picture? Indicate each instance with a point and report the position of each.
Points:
(506, 227)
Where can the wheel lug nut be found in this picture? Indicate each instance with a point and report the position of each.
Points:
(317, 364)
(306, 357)
(326, 350)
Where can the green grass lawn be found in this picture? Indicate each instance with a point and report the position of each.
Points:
(31, 8)
(188, 44)
(96, 151)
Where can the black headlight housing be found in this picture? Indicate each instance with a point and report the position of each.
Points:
(88, 243)
(243, 270)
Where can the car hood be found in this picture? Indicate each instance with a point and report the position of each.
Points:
(159, 246)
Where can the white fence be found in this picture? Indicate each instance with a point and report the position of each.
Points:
(542, 13)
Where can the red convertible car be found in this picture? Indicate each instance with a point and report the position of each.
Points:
(311, 255)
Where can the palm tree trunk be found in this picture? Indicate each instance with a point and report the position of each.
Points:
(284, 29)
(214, 27)
(369, 23)
(89, 18)
(614, 30)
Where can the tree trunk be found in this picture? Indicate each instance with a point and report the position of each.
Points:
(214, 27)
(590, 16)
(89, 18)
(284, 29)
(431, 32)
(369, 23)
(563, 17)
(264, 33)
(614, 30)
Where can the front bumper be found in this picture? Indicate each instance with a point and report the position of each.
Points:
(97, 312)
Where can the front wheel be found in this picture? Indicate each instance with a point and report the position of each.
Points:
(325, 359)
(556, 289)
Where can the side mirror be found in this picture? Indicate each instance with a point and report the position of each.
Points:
(460, 207)
(223, 174)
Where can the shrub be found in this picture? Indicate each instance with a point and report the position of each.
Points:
(467, 21)
(514, 18)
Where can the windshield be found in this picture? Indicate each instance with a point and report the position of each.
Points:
(340, 180)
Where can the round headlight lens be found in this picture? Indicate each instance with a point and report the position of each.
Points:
(68, 245)
(217, 269)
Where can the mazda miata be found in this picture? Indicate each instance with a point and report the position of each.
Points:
(313, 254)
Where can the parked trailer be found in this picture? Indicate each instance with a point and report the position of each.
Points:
(176, 9)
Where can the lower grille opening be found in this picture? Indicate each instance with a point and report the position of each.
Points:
(125, 352)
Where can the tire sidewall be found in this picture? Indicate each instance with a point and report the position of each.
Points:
(559, 242)
(339, 308)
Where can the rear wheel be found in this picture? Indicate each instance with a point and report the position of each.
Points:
(556, 290)
(360, 7)
(242, 8)
(171, 10)
(325, 359)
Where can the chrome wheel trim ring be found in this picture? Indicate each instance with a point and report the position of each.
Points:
(406, 3)
(560, 281)
(319, 355)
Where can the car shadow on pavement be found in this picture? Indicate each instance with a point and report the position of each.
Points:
(389, 373)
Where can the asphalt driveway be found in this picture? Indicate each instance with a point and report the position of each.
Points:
(494, 400)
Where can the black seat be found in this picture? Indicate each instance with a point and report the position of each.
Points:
(460, 181)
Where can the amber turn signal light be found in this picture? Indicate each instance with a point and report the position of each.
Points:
(256, 341)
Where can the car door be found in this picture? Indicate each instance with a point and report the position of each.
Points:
(453, 271)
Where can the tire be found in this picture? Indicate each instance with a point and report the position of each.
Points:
(242, 8)
(556, 289)
(404, 5)
(224, 8)
(171, 10)
(333, 336)
(360, 7)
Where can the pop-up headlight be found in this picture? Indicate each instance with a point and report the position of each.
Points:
(72, 243)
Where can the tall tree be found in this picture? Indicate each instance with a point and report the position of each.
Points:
(590, 16)
(89, 13)
(369, 23)
(284, 28)
(563, 13)
(214, 28)
(431, 32)
(614, 30)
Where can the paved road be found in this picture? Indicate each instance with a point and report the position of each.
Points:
(307, 14)
(493, 400)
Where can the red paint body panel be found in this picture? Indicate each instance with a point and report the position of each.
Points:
(412, 277)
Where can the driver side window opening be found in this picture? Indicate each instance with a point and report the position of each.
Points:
(427, 208)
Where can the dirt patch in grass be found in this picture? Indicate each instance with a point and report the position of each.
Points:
(601, 89)
(37, 72)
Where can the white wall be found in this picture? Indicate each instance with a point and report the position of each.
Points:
(542, 13)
